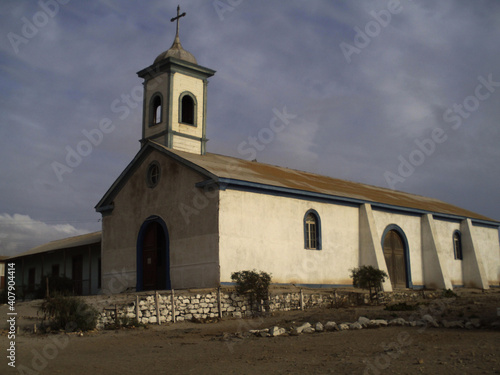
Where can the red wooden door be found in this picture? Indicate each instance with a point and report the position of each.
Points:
(154, 258)
(149, 257)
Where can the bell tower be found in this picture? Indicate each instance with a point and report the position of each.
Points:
(175, 99)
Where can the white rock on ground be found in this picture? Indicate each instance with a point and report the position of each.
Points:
(363, 321)
(343, 326)
(397, 322)
(355, 325)
(331, 326)
(318, 327)
(276, 331)
(430, 320)
(302, 327)
(376, 323)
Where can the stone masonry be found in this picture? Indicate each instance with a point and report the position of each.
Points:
(165, 306)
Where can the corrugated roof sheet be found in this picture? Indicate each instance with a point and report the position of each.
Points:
(244, 170)
(65, 243)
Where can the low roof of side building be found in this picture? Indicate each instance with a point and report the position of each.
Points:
(65, 243)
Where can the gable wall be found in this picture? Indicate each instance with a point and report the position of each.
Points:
(190, 217)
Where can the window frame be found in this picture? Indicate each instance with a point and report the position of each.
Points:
(195, 109)
(152, 180)
(458, 253)
(153, 108)
(307, 231)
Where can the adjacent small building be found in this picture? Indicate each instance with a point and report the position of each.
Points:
(77, 258)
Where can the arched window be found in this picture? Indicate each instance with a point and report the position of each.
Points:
(312, 230)
(156, 109)
(187, 109)
(457, 245)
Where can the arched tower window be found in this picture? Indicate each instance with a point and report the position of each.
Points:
(312, 230)
(187, 109)
(457, 245)
(156, 109)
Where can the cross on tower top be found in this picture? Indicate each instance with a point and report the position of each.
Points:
(177, 19)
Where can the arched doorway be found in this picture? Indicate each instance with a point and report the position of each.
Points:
(396, 258)
(153, 260)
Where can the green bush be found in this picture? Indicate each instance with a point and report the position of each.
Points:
(254, 284)
(368, 277)
(69, 313)
(448, 293)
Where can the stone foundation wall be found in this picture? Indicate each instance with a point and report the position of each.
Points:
(164, 307)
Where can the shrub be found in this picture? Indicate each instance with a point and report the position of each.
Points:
(69, 313)
(58, 285)
(402, 306)
(124, 322)
(254, 284)
(448, 293)
(367, 277)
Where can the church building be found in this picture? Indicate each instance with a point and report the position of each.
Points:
(179, 217)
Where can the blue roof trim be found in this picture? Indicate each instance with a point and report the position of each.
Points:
(303, 194)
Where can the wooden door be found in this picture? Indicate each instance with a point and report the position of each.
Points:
(154, 260)
(394, 253)
(77, 272)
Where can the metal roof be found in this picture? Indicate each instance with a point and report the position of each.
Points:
(65, 243)
(233, 169)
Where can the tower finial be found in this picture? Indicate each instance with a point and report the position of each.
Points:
(177, 19)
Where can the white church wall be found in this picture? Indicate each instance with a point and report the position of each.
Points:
(191, 224)
(411, 226)
(186, 144)
(182, 83)
(151, 88)
(266, 232)
(445, 231)
(487, 242)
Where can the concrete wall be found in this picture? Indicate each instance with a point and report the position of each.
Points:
(190, 217)
(159, 84)
(266, 232)
(445, 231)
(488, 246)
(182, 83)
(411, 226)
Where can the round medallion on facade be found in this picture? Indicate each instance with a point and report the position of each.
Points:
(153, 174)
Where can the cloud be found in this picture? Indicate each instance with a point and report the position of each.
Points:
(19, 233)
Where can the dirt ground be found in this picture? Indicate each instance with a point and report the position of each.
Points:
(195, 348)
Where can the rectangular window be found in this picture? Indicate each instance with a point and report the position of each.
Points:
(311, 235)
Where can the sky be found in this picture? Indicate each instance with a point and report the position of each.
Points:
(399, 94)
